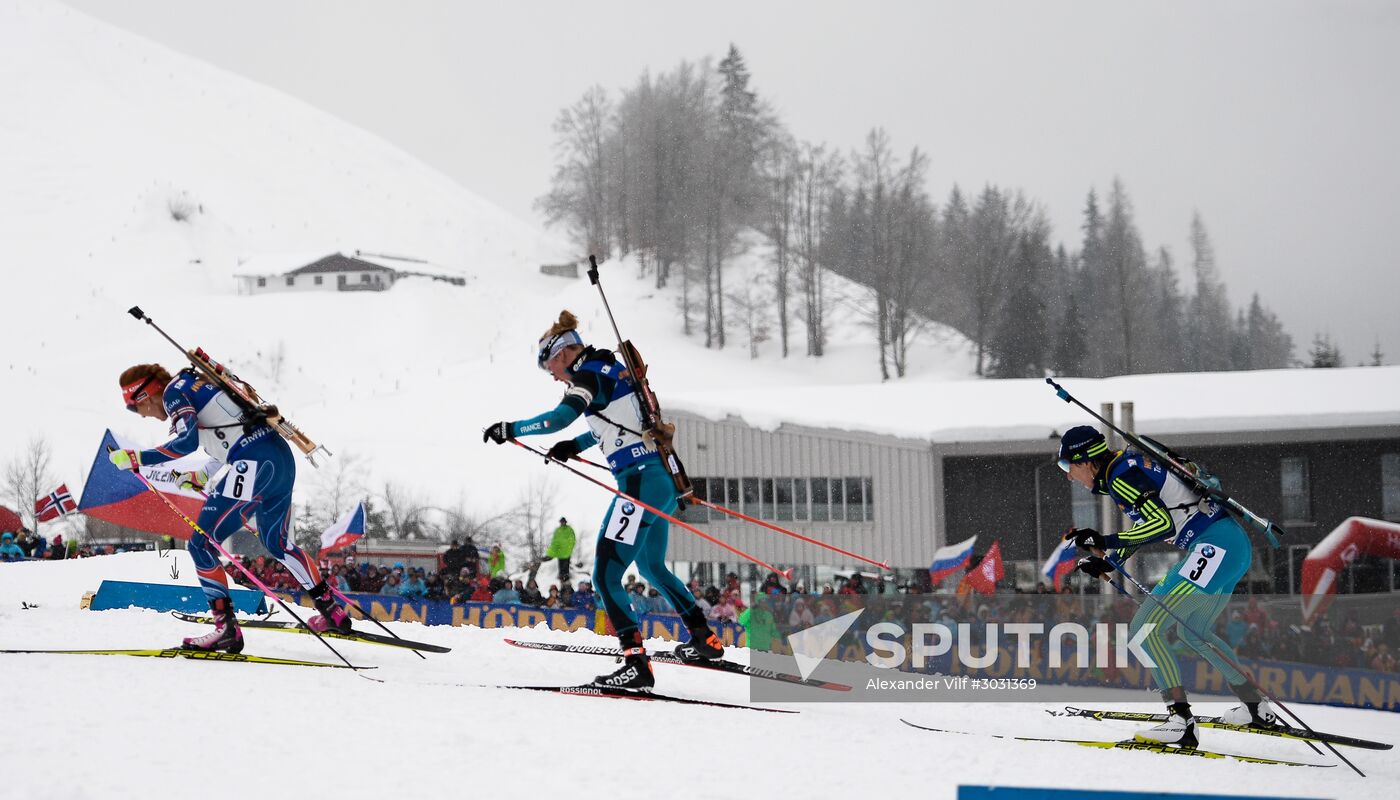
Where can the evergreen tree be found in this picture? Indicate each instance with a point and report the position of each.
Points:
(1324, 353)
(1377, 357)
(1209, 326)
(1070, 347)
(1270, 347)
(1018, 347)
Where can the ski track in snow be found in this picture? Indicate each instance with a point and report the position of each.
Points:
(115, 727)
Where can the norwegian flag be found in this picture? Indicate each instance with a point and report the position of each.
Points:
(54, 505)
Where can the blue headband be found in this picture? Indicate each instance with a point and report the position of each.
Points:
(551, 345)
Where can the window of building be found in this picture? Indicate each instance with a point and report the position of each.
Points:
(318, 279)
(799, 500)
(766, 487)
(821, 509)
(855, 500)
(837, 494)
(694, 512)
(291, 280)
(1294, 485)
(262, 281)
(869, 499)
(364, 277)
(340, 281)
(751, 505)
(1390, 486)
(782, 500)
(1084, 507)
(731, 493)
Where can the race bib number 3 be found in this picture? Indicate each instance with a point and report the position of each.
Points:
(238, 483)
(1202, 564)
(622, 525)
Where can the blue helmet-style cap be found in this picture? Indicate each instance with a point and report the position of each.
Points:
(1079, 444)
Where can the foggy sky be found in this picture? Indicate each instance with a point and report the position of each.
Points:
(1279, 121)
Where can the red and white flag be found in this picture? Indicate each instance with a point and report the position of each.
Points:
(346, 530)
(55, 504)
(983, 578)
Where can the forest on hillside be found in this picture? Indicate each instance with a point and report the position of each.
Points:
(678, 166)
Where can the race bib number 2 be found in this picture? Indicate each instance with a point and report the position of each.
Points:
(1202, 564)
(622, 525)
(238, 483)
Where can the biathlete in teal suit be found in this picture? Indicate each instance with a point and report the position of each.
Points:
(600, 392)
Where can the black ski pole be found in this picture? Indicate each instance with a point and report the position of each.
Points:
(1224, 657)
(366, 615)
(1270, 529)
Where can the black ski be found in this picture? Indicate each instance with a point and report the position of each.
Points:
(633, 694)
(1133, 744)
(1281, 731)
(292, 627)
(667, 657)
(196, 655)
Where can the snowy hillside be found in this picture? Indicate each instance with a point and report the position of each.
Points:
(437, 727)
(109, 138)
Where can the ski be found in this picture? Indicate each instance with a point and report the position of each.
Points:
(1280, 731)
(632, 694)
(197, 655)
(1133, 744)
(292, 627)
(667, 657)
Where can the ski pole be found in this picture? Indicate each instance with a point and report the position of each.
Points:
(794, 534)
(1271, 530)
(247, 572)
(787, 573)
(1224, 657)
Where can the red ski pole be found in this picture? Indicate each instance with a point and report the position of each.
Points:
(787, 573)
(794, 534)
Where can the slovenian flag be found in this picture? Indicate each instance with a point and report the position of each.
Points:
(950, 559)
(345, 531)
(1060, 563)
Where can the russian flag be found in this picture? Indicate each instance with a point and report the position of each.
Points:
(950, 559)
(1060, 563)
(346, 530)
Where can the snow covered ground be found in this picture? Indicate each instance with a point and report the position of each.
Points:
(112, 727)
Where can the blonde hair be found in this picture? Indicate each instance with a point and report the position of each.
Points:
(131, 375)
(566, 322)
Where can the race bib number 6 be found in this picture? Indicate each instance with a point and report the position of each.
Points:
(622, 525)
(238, 483)
(1202, 564)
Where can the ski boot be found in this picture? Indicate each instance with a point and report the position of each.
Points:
(333, 616)
(635, 673)
(704, 645)
(226, 636)
(1256, 715)
(1179, 729)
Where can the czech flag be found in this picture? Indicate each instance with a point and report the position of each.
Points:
(119, 497)
(55, 504)
(950, 559)
(345, 531)
(1060, 563)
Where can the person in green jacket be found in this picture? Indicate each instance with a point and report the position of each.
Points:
(561, 547)
(496, 564)
(760, 626)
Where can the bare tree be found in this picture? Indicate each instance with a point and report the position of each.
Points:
(578, 196)
(404, 509)
(818, 175)
(531, 518)
(28, 477)
(338, 487)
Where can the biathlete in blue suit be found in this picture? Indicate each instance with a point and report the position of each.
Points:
(253, 472)
(600, 392)
(1164, 508)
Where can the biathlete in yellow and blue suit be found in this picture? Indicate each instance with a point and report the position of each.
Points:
(1164, 508)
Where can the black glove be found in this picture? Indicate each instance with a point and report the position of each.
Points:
(498, 432)
(1095, 566)
(1087, 538)
(565, 450)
